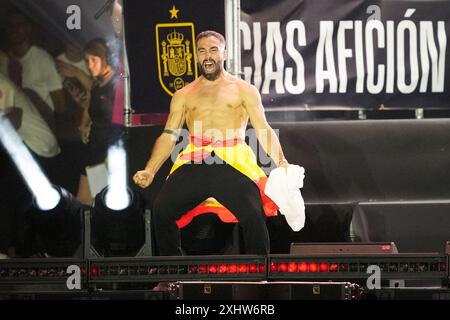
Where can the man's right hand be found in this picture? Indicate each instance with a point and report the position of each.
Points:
(143, 178)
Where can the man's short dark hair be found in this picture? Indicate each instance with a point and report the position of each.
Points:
(210, 33)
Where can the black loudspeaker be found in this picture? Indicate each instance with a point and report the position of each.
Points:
(324, 223)
(313, 291)
(185, 290)
(199, 290)
(343, 248)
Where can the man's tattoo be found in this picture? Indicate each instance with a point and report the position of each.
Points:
(172, 132)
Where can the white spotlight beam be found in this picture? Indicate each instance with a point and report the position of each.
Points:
(117, 197)
(45, 195)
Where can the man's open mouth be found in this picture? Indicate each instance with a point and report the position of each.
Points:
(209, 66)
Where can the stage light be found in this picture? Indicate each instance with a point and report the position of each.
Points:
(334, 267)
(181, 268)
(193, 270)
(120, 222)
(292, 267)
(343, 267)
(313, 267)
(223, 268)
(354, 267)
(273, 267)
(94, 271)
(253, 268)
(232, 268)
(303, 267)
(59, 230)
(243, 268)
(363, 267)
(323, 267)
(213, 268)
(46, 196)
(56, 216)
(119, 232)
(262, 268)
(117, 197)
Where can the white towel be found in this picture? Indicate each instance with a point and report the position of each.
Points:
(284, 190)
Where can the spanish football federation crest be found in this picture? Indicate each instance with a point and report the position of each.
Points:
(175, 44)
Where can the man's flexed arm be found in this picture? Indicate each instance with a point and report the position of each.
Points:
(265, 134)
(165, 143)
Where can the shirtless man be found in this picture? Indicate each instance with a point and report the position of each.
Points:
(216, 108)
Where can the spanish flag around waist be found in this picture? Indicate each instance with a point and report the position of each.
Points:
(236, 153)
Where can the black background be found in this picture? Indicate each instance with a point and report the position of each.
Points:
(141, 17)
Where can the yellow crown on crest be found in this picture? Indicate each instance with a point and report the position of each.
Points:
(175, 37)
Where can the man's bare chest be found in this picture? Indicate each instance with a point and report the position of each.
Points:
(222, 101)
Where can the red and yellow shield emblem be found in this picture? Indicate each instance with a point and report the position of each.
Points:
(175, 44)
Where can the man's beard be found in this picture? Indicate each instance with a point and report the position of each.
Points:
(211, 76)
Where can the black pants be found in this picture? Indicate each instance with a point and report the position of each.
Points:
(191, 184)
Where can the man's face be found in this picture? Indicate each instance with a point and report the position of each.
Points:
(18, 29)
(94, 65)
(210, 56)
